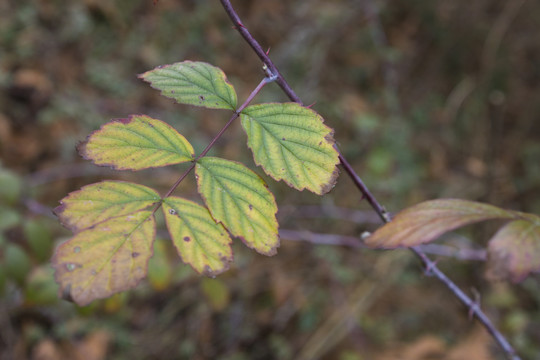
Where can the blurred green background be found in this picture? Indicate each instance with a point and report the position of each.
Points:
(428, 99)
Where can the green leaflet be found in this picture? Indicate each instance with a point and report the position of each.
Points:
(200, 241)
(105, 259)
(239, 198)
(136, 143)
(193, 83)
(101, 201)
(291, 143)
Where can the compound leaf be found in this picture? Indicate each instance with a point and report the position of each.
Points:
(427, 221)
(514, 251)
(193, 83)
(105, 259)
(240, 200)
(101, 201)
(200, 241)
(291, 143)
(136, 143)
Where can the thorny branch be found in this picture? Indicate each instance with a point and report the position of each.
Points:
(430, 266)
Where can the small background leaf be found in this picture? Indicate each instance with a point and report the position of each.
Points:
(193, 83)
(108, 258)
(100, 201)
(514, 251)
(427, 221)
(159, 269)
(136, 143)
(217, 293)
(200, 241)
(239, 198)
(291, 143)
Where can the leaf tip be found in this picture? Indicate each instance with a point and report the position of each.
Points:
(81, 148)
(64, 220)
(325, 188)
(266, 249)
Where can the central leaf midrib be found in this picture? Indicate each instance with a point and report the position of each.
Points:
(235, 201)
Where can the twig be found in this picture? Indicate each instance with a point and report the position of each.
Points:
(377, 207)
(354, 242)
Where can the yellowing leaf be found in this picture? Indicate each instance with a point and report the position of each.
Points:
(200, 241)
(136, 143)
(105, 259)
(427, 221)
(240, 200)
(514, 251)
(291, 143)
(193, 83)
(101, 201)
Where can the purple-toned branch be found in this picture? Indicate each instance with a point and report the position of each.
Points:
(431, 267)
(354, 242)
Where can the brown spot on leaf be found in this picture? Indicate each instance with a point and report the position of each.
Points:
(124, 121)
(250, 207)
(187, 239)
(201, 98)
(135, 254)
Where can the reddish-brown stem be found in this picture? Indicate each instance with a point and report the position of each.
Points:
(377, 207)
(235, 115)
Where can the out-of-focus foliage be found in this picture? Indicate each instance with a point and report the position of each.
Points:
(444, 105)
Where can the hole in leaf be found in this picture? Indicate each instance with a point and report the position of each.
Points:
(77, 249)
(172, 212)
(71, 267)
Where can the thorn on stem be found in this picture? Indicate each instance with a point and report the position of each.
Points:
(475, 306)
(240, 25)
(267, 51)
(428, 271)
(309, 106)
(386, 215)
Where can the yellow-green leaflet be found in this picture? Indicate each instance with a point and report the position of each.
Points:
(200, 241)
(106, 259)
(240, 200)
(136, 143)
(104, 200)
(292, 144)
(193, 83)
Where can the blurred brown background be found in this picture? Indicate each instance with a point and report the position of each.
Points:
(429, 99)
